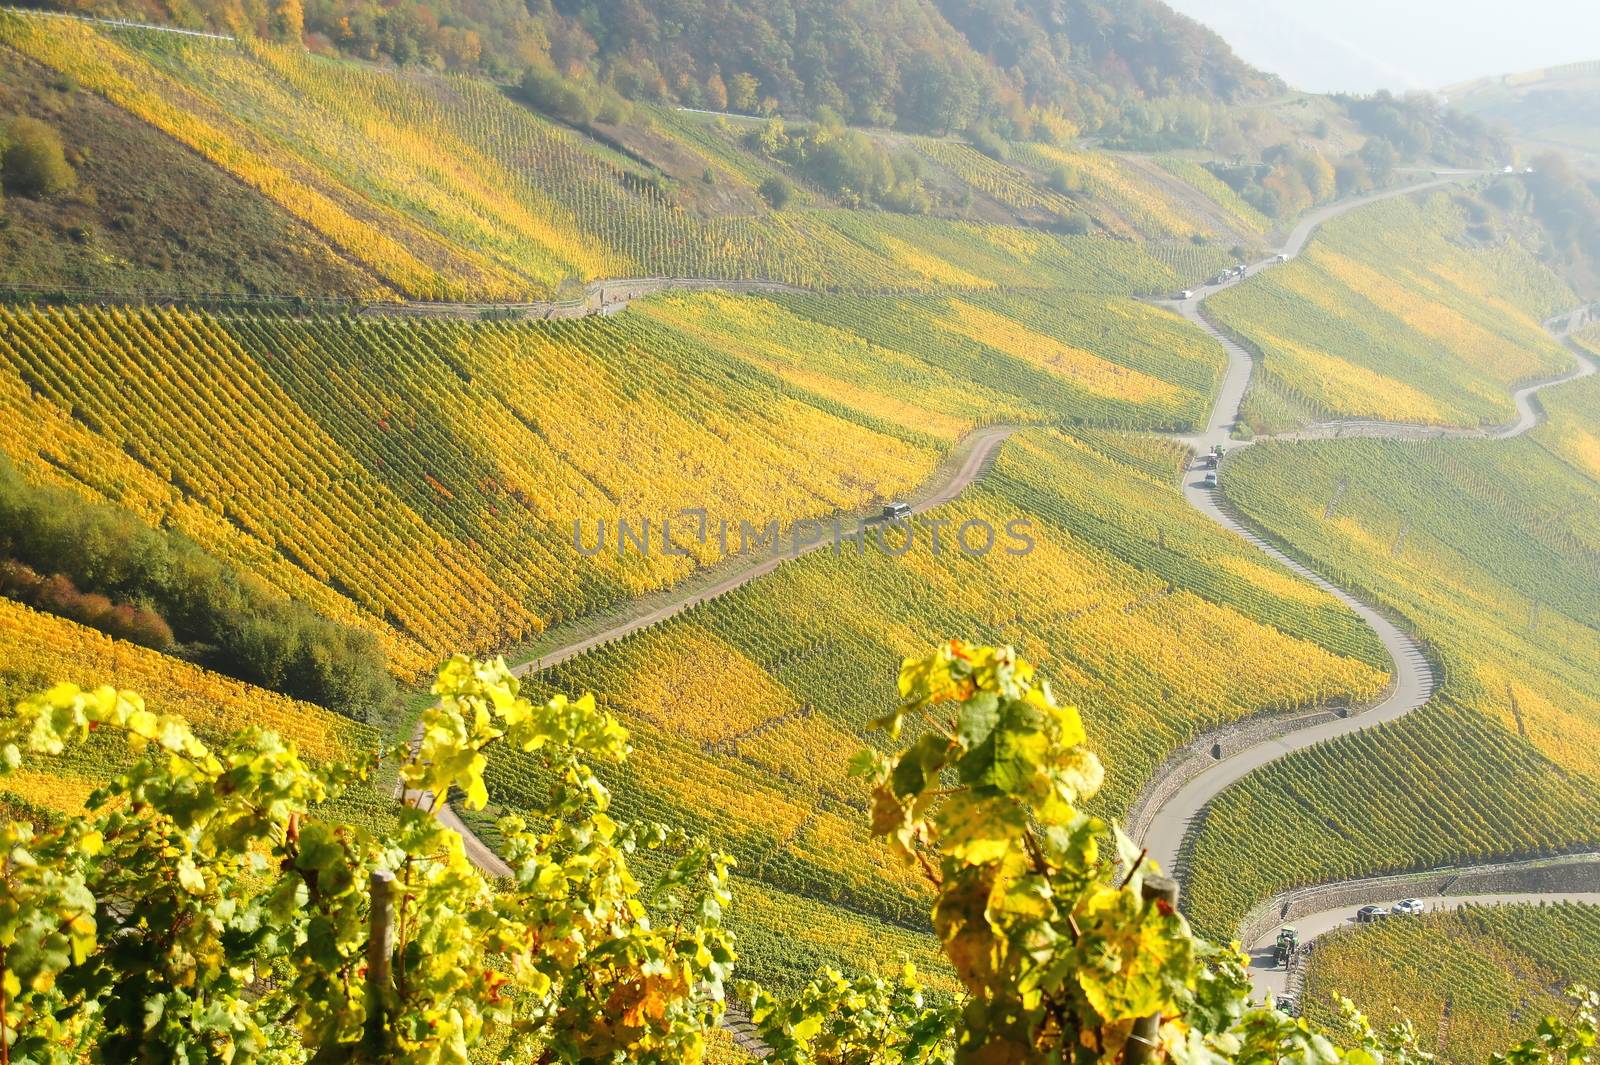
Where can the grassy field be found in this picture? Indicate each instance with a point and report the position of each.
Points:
(746, 709)
(1393, 314)
(1474, 981)
(1489, 551)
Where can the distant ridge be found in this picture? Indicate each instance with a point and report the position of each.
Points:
(1526, 78)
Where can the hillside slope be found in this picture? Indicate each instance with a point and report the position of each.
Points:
(1486, 550)
(444, 188)
(1473, 980)
(921, 64)
(1556, 107)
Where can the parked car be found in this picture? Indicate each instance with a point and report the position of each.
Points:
(1210, 481)
(1280, 258)
(896, 511)
(1407, 907)
(1368, 914)
(1186, 294)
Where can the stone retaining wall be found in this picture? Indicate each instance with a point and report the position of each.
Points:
(1205, 750)
(1577, 872)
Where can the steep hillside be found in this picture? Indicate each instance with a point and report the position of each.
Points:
(1472, 980)
(422, 479)
(444, 188)
(148, 214)
(1556, 107)
(924, 65)
(1157, 625)
(1487, 550)
(1400, 312)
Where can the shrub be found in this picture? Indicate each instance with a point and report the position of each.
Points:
(1076, 224)
(34, 163)
(547, 91)
(58, 595)
(777, 191)
(989, 142)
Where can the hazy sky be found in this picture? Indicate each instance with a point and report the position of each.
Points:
(1370, 44)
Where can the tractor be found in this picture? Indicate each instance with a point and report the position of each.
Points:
(1288, 943)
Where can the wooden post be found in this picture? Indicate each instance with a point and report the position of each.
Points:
(380, 951)
(1141, 1047)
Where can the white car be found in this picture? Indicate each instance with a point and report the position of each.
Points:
(1407, 908)
(1281, 259)
(1509, 170)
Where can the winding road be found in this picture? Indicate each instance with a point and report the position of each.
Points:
(967, 461)
(1273, 979)
(1415, 679)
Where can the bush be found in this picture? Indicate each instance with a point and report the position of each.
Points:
(1076, 224)
(545, 90)
(58, 595)
(1065, 181)
(34, 163)
(989, 142)
(777, 192)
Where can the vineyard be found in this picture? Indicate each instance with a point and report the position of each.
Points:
(1391, 314)
(746, 709)
(1442, 786)
(146, 188)
(1571, 431)
(443, 188)
(39, 650)
(1488, 550)
(1472, 980)
(355, 463)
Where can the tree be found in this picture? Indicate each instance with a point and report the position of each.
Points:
(34, 163)
(289, 21)
(716, 93)
(745, 94)
(1381, 158)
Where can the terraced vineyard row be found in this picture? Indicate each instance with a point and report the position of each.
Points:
(1392, 315)
(1489, 548)
(1470, 978)
(1441, 787)
(361, 465)
(38, 651)
(746, 709)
